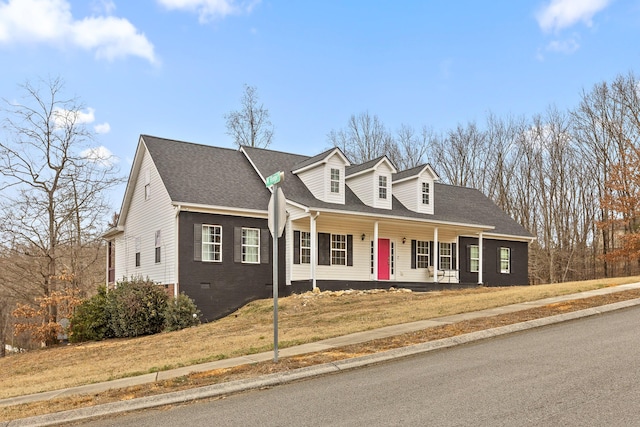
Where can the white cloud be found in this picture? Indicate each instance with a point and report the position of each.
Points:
(563, 46)
(560, 14)
(51, 21)
(211, 9)
(62, 118)
(102, 128)
(101, 155)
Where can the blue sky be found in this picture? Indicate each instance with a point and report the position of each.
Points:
(174, 68)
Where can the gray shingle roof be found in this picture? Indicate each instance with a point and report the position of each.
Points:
(311, 160)
(410, 172)
(202, 174)
(206, 175)
(364, 166)
(452, 203)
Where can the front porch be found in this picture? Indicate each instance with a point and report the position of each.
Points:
(335, 249)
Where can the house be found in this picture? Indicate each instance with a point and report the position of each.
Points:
(194, 219)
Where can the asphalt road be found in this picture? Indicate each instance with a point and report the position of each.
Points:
(583, 373)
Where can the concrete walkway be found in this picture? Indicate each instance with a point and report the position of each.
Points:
(279, 378)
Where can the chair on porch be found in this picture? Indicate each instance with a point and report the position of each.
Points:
(443, 275)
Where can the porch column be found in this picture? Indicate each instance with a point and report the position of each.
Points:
(375, 250)
(480, 261)
(436, 250)
(314, 247)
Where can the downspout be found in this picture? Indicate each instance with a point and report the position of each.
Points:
(375, 251)
(481, 260)
(176, 252)
(314, 248)
(436, 250)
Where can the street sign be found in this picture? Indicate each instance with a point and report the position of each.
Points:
(281, 212)
(274, 179)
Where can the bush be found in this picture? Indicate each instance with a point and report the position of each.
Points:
(136, 307)
(181, 312)
(90, 321)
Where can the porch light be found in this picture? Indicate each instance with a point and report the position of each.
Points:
(362, 237)
(404, 240)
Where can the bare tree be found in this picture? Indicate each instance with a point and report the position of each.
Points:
(53, 184)
(410, 148)
(250, 126)
(364, 138)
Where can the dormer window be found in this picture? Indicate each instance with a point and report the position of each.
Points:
(425, 193)
(382, 187)
(335, 180)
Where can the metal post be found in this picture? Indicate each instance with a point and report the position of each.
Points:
(276, 225)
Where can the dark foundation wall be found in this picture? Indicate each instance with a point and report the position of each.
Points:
(519, 274)
(219, 288)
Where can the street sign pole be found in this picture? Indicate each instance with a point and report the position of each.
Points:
(276, 224)
(276, 210)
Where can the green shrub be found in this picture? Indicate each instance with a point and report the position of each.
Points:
(90, 321)
(136, 307)
(181, 312)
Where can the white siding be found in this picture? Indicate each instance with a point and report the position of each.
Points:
(428, 209)
(314, 179)
(334, 162)
(409, 193)
(145, 217)
(406, 193)
(383, 170)
(363, 186)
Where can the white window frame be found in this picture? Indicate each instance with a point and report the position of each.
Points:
(382, 187)
(334, 175)
(338, 249)
(246, 246)
(474, 259)
(138, 256)
(445, 254)
(305, 247)
(423, 255)
(158, 247)
(211, 248)
(425, 193)
(505, 261)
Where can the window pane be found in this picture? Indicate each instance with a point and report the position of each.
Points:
(505, 261)
(335, 180)
(211, 243)
(338, 249)
(250, 245)
(305, 247)
(474, 258)
(382, 187)
(422, 254)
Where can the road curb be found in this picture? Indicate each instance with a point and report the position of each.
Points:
(279, 378)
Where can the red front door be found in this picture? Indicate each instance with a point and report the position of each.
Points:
(383, 259)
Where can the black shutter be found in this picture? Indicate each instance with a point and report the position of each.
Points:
(414, 245)
(197, 242)
(498, 261)
(468, 269)
(296, 247)
(324, 249)
(432, 255)
(454, 256)
(264, 245)
(350, 250)
(237, 244)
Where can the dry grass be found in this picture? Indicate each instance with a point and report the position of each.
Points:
(303, 318)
